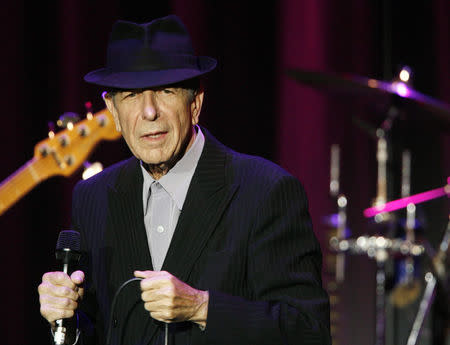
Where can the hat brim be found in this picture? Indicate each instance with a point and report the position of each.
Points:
(152, 78)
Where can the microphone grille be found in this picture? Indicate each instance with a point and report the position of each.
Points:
(68, 239)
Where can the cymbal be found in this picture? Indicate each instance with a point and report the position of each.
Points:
(371, 89)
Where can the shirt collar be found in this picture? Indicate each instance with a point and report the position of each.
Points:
(177, 180)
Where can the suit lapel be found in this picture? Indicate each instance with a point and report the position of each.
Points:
(206, 200)
(126, 218)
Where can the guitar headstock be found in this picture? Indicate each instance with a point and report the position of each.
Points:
(64, 152)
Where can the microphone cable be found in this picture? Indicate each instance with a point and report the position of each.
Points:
(111, 314)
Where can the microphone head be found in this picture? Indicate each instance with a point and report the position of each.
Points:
(68, 239)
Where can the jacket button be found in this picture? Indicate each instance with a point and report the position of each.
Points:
(115, 322)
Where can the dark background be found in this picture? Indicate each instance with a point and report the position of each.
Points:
(251, 105)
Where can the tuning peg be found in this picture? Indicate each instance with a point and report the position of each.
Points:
(51, 129)
(67, 119)
(90, 169)
(89, 111)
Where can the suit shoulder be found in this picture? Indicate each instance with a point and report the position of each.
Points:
(105, 177)
(241, 165)
(258, 168)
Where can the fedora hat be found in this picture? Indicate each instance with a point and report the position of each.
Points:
(148, 55)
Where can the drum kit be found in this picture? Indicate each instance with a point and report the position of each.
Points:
(401, 250)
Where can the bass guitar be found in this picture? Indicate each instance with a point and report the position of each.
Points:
(60, 154)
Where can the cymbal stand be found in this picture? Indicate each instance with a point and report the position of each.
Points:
(408, 287)
(335, 262)
(382, 156)
(410, 213)
(381, 256)
(424, 306)
(341, 200)
(429, 293)
(383, 153)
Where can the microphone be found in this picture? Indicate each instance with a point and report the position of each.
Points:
(68, 253)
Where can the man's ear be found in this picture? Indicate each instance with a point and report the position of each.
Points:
(109, 101)
(196, 106)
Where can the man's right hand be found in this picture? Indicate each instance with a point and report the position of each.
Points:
(59, 295)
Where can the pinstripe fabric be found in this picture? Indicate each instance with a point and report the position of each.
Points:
(244, 234)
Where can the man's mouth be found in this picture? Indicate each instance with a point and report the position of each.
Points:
(154, 135)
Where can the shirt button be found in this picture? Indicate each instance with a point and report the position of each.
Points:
(160, 229)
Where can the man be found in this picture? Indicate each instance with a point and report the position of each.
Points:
(222, 241)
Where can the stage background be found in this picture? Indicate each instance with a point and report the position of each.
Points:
(251, 105)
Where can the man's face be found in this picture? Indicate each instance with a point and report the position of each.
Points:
(156, 123)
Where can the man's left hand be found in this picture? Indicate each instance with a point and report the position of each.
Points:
(168, 299)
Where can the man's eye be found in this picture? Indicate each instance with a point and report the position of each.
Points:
(130, 95)
(167, 91)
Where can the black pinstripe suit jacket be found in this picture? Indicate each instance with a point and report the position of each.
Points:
(244, 234)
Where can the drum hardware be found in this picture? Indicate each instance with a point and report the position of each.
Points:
(398, 97)
(384, 155)
(439, 258)
(341, 200)
(381, 248)
(382, 158)
(378, 248)
(425, 303)
(335, 263)
(404, 202)
(408, 287)
(429, 293)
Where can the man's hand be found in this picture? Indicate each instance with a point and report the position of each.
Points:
(170, 300)
(59, 295)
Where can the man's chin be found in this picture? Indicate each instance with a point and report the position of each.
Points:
(153, 159)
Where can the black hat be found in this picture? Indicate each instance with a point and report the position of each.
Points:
(148, 55)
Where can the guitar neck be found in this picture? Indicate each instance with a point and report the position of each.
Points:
(21, 182)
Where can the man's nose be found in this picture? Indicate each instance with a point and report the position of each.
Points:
(149, 105)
